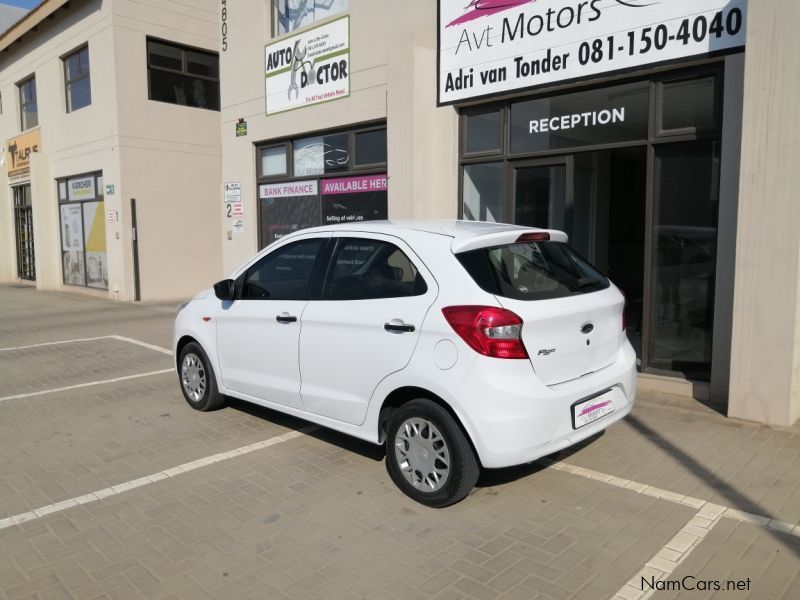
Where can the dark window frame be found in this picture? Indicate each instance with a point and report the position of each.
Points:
(22, 104)
(355, 134)
(712, 67)
(183, 48)
(274, 11)
(287, 149)
(655, 136)
(99, 197)
(472, 111)
(290, 177)
(290, 141)
(69, 82)
(716, 74)
(23, 225)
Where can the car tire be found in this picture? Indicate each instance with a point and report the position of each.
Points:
(428, 456)
(197, 380)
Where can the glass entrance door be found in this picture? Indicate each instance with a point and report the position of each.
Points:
(683, 258)
(23, 224)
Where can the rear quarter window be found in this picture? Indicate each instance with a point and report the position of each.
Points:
(532, 271)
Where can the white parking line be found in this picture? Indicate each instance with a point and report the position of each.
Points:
(140, 343)
(93, 339)
(84, 385)
(129, 485)
(642, 585)
(648, 490)
(91, 383)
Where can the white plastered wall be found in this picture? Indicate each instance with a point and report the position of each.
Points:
(392, 77)
(765, 358)
(165, 156)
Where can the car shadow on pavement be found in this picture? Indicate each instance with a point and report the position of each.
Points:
(343, 441)
(488, 477)
(495, 477)
(737, 498)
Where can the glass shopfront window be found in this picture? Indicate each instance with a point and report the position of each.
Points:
(83, 231)
(288, 15)
(603, 116)
(483, 131)
(630, 172)
(321, 154)
(684, 254)
(333, 177)
(484, 192)
(689, 105)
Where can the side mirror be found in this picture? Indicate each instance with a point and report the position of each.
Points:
(224, 290)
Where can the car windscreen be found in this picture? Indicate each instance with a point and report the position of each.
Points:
(532, 271)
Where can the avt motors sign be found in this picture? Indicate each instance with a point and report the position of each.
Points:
(489, 47)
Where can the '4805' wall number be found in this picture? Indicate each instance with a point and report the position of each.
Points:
(224, 21)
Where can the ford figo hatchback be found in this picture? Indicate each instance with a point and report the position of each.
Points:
(458, 345)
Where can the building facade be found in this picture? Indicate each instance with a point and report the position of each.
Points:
(659, 135)
(150, 147)
(110, 127)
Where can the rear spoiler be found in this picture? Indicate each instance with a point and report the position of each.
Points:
(504, 238)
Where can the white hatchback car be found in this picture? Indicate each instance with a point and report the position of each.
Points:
(457, 344)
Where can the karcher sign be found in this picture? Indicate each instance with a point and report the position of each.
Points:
(489, 47)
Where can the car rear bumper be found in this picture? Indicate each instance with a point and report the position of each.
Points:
(513, 418)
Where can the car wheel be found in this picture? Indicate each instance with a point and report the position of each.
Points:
(198, 384)
(428, 456)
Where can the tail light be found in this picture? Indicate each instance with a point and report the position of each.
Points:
(489, 331)
(536, 236)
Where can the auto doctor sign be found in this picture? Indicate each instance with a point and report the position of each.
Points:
(309, 68)
(488, 47)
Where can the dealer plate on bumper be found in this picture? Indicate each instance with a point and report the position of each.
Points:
(588, 411)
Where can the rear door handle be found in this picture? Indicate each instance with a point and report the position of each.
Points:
(393, 327)
(286, 318)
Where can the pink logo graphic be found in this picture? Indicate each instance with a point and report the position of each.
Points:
(594, 407)
(483, 8)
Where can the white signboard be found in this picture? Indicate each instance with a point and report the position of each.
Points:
(233, 192)
(309, 68)
(488, 47)
(288, 190)
(81, 188)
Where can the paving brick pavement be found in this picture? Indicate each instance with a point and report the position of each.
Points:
(64, 365)
(31, 317)
(680, 445)
(66, 444)
(736, 552)
(312, 519)
(317, 516)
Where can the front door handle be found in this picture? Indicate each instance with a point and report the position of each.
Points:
(398, 327)
(286, 318)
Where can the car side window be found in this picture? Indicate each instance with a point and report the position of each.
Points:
(283, 274)
(365, 269)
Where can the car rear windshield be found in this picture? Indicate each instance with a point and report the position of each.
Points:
(532, 271)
